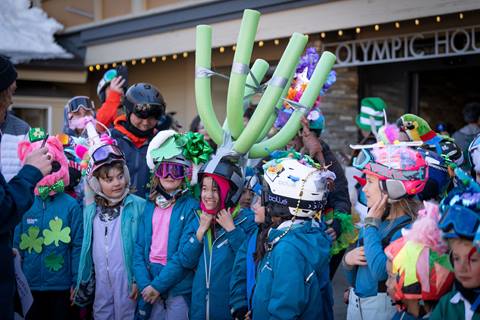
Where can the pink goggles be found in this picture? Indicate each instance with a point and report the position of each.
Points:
(172, 169)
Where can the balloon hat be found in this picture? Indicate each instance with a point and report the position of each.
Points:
(245, 81)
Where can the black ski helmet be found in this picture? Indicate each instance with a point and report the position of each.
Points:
(144, 100)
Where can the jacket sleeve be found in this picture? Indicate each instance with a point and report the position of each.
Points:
(238, 280)
(288, 296)
(173, 272)
(16, 197)
(142, 275)
(77, 239)
(339, 198)
(190, 248)
(374, 254)
(108, 111)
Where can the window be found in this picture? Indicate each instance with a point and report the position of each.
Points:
(35, 115)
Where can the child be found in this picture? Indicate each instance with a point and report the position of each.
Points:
(419, 270)
(214, 238)
(169, 210)
(394, 175)
(293, 253)
(110, 230)
(459, 223)
(77, 113)
(49, 237)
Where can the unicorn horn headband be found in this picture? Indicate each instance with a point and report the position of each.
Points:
(244, 81)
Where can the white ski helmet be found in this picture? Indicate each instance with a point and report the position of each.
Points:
(296, 184)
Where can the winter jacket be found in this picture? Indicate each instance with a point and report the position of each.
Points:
(365, 279)
(173, 279)
(136, 162)
(244, 274)
(131, 214)
(213, 260)
(109, 109)
(49, 239)
(16, 197)
(293, 279)
(465, 136)
(451, 306)
(12, 131)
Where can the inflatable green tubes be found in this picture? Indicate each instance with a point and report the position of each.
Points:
(240, 67)
(308, 98)
(203, 92)
(275, 87)
(259, 69)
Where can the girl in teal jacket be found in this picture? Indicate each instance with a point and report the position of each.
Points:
(110, 229)
(164, 285)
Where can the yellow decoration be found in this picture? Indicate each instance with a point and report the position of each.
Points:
(406, 262)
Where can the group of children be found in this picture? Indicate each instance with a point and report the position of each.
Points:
(190, 248)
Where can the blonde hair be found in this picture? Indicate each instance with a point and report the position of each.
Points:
(409, 206)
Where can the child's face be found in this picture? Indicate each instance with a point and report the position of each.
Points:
(80, 113)
(210, 195)
(372, 190)
(169, 184)
(466, 263)
(114, 184)
(391, 280)
(246, 198)
(259, 211)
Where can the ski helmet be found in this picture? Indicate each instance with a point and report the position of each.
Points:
(144, 100)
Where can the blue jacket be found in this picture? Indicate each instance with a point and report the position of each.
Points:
(133, 207)
(293, 279)
(365, 279)
(173, 279)
(50, 265)
(136, 162)
(244, 274)
(213, 260)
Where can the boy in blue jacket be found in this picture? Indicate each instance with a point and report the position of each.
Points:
(49, 237)
(293, 269)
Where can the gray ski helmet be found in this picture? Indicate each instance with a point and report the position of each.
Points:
(227, 169)
(144, 100)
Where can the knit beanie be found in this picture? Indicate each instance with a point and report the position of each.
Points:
(8, 74)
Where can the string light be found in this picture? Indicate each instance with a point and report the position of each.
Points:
(438, 19)
(97, 67)
(460, 15)
(377, 27)
(174, 57)
(417, 22)
(134, 62)
(397, 25)
(234, 48)
(323, 35)
(154, 59)
(143, 61)
(260, 43)
(357, 30)
(340, 33)
(276, 42)
(222, 49)
(185, 54)
(124, 63)
(114, 65)
(105, 66)
(91, 68)
(164, 58)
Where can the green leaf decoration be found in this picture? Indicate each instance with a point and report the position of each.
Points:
(31, 240)
(56, 233)
(54, 262)
(168, 150)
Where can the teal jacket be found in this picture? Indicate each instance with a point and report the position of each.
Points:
(49, 239)
(133, 207)
(293, 279)
(213, 260)
(173, 279)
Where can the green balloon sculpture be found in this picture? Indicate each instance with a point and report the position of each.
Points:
(244, 82)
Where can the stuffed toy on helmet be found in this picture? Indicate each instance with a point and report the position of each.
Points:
(420, 260)
(108, 76)
(296, 183)
(58, 179)
(402, 171)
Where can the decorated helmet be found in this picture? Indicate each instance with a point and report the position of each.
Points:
(144, 100)
(402, 171)
(474, 155)
(297, 183)
(438, 177)
(420, 260)
(460, 209)
(108, 76)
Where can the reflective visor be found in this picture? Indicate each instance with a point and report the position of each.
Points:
(80, 102)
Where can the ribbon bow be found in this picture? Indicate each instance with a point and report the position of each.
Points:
(195, 148)
(44, 191)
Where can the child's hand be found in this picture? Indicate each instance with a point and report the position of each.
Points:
(331, 232)
(117, 84)
(150, 295)
(224, 218)
(205, 222)
(72, 294)
(134, 294)
(356, 257)
(378, 208)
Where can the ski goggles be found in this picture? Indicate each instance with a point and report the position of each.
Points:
(175, 170)
(366, 161)
(462, 220)
(107, 152)
(76, 103)
(148, 110)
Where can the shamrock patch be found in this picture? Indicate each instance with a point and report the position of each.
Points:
(54, 262)
(31, 240)
(56, 233)
(168, 150)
